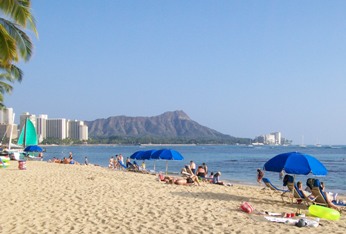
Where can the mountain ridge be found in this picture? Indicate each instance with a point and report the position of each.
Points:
(171, 124)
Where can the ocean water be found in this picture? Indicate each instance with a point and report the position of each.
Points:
(238, 164)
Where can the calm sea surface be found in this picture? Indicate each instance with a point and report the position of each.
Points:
(238, 164)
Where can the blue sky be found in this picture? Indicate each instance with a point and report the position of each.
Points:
(243, 68)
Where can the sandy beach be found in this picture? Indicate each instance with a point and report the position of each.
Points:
(54, 198)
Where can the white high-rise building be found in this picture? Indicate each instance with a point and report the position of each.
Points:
(277, 136)
(41, 127)
(6, 116)
(77, 130)
(56, 128)
(7, 123)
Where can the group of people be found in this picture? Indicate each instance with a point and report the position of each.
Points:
(116, 162)
(64, 160)
(331, 198)
(68, 160)
(191, 174)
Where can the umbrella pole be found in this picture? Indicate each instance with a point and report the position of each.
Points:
(166, 167)
(154, 165)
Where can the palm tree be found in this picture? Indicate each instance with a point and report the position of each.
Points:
(14, 42)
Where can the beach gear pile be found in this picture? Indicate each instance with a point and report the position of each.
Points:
(286, 218)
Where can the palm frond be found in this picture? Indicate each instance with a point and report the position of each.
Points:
(8, 47)
(11, 73)
(5, 87)
(1, 101)
(23, 42)
(20, 12)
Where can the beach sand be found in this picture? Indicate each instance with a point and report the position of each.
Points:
(54, 198)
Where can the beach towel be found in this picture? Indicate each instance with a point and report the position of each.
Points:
(290, 221)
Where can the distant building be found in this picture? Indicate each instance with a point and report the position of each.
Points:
(270, 139)
(7, 123)
(56, 128)
(77, 130)
(41, 127)
(6, 116)
(45, 128)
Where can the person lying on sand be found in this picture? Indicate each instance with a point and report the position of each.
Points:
(182, 181)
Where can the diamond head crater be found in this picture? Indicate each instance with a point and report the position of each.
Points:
(174, 127)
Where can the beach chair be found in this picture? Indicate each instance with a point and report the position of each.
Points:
(272, 187)
(320, 196)
(294, 193)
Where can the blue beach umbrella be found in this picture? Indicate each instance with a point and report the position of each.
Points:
(147, 155)
(143, 155)
(33, 148)
(167, 154)
(136, 155)
(296, 163)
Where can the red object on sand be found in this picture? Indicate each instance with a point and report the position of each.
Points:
(21, 165)
(247, 207)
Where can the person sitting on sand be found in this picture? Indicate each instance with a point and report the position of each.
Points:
(210, 177)
(193, 167)
(66, 161)
(184, 172)
(111, 163)
(135, 165)
(131, 167)
(216, 178)
(201, 172)
(128, 161)
(205, 168)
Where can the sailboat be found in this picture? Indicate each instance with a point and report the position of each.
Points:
(302, 145)
(15, 152)
(28, 137)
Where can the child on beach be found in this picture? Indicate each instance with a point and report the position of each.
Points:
(260, 175)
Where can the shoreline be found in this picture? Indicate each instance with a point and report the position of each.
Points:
(60, 198)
